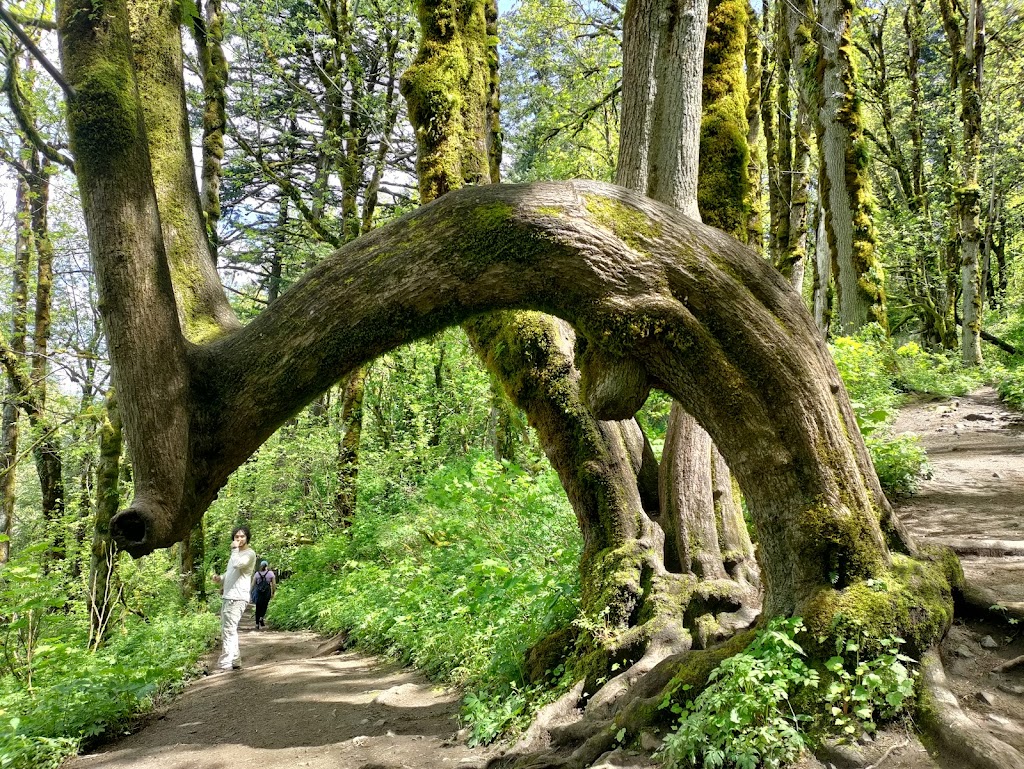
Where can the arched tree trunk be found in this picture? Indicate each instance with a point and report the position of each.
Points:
(659, 299)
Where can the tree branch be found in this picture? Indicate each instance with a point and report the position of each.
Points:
(24, 120)
(39, 56)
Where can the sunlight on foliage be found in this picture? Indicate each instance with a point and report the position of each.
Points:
(55, 692)
(459, 577)
(746, 717)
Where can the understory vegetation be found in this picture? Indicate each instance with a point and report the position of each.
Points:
(58, 690)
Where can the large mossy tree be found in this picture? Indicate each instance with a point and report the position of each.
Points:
(657, 298)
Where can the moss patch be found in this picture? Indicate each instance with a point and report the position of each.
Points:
(629, 225)
(913, 600)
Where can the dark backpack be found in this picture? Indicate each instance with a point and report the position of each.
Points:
(262, 586)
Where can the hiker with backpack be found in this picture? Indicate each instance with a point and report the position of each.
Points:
(264, 585)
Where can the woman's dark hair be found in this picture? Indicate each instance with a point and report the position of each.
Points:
(248, 537)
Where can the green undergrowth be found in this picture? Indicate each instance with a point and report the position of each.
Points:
(458, 575)
(764, 706)
(879, 375)
(1009, 377)
(55, 691)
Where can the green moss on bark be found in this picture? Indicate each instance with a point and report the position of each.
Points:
(912, 600)
(723, 188)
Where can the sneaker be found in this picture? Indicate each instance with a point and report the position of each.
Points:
(236, 666)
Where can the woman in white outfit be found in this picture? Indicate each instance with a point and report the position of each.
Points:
(235, 584)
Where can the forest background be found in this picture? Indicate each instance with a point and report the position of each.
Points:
(412, 506)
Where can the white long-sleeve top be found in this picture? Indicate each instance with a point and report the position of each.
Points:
(237, 580)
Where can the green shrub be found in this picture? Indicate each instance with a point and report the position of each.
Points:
(458, 575)
(54, 691)
(743, 718)
(746, 718)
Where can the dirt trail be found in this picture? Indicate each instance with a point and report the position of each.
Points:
(289, 709)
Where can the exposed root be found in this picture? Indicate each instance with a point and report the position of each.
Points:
(888, 753)
(953, 730)
(988, 603)
(333, 645)
(577, 743)
(1009, 665)
(994, 548)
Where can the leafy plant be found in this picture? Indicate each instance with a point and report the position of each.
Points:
(479, 566)
(743, 718)
(863, 691)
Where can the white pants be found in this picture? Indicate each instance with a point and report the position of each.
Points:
(230, 616)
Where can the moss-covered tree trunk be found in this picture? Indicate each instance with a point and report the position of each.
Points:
(803, 64)
(348, 446)
(967, 47)
(843, 164)
(208, 32)
(530, 354)
(19, 322)
(753, 54)
(723, 186)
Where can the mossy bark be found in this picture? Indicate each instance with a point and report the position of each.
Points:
(845, 192)
(531, 354)
(157, 58)
(213, 69)
(348, 446)
(147, 349)
(753, 53)
(968, 58)
(19, 324)
(723, 187)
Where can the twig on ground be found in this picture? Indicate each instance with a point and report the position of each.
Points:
(887, 753)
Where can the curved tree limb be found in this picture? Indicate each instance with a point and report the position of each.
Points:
(710, 323)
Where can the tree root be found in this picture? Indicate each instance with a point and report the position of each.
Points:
(993, 548)
(988, 603)
(552, 743)
(1009, 665)
(952, 729)
(333, 645)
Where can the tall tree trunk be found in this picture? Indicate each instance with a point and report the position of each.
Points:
(803, 57)
(822, 291)
(723, 186)
(783, 260)
(103, 582)
(844, 174)
(348, 447)
(47, 453)
(753, 54)
(967, 47)
(192, 566)
(778, 214)
(213, 69)
(19, 321)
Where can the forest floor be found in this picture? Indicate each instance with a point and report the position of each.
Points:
(290, 707)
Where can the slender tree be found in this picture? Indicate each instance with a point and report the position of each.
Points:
(967, 49)
(843, 164)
